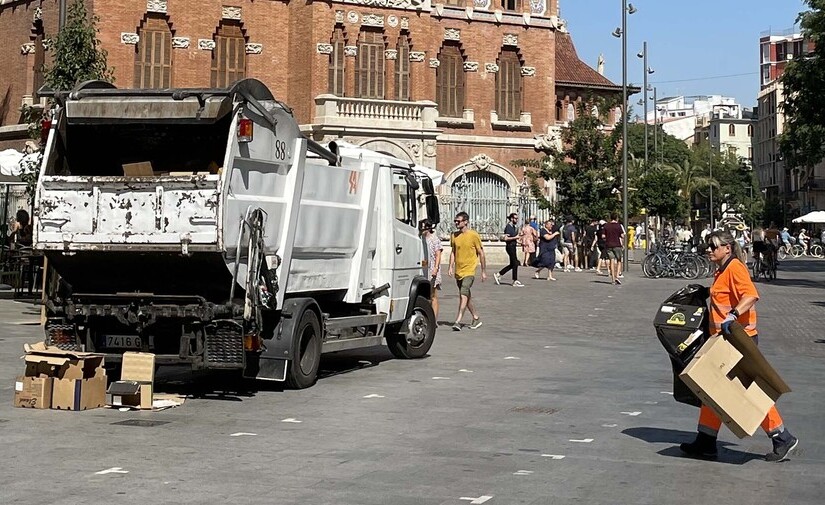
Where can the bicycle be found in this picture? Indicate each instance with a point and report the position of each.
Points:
(764, 265)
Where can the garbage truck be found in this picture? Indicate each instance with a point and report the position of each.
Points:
(202, 226)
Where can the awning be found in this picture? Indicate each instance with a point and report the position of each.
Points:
(817, 216)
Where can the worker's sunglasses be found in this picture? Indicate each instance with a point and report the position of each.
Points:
(713, 247)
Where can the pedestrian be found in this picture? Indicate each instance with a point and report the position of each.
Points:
(529, 239)
(510, 237)
(590, 241)
(569, 240)
(548, 241)
(733, 298)
(614, 244)
(466, 253)
(705, 232)
(21, 230)
(600, 245)
(434, 249)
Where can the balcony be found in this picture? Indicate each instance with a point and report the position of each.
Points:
(336, 115)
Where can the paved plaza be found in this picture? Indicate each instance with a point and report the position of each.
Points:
(562, 396)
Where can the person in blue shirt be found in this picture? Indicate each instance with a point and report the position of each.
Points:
(785, 237)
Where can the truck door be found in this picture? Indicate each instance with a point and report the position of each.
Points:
(406, 241)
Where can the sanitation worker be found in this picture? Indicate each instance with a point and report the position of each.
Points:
(732, 298)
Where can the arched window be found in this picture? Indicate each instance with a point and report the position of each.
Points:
(508, 86)
(750, 130)
(402, 68)
(485, 197)
(229, 55)
(732, 130)
(559, 109)
(369, 65)
(449, 77)
(336, 63)
(153, 54)
(39, 60)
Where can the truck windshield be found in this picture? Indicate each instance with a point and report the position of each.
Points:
(168, 148)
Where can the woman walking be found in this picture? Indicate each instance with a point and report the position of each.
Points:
(548, 242)
(732, 298)
(528, 236)
(433, 246)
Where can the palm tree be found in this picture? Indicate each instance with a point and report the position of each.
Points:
(692, 178)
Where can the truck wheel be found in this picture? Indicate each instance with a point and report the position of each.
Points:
(421, 332)
(303, 367)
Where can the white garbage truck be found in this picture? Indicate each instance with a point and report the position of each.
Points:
(202, 226)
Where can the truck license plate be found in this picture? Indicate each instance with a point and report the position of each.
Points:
(126, 342)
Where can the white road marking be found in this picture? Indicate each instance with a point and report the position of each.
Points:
(609, 425)
(582, 441)
(243, 434)
(290, 420)
(477, 501)
(464, 370)
(114, 469)
(610, 296)
(553, 456)
(651, 403)
(549, 346)
(512, 357)
(523, 472)
(667, 393)
(598, 308)
(631, 413)
(374, 396)
(441, 378)
(592, 315)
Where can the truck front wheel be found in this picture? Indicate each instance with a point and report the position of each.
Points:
(306, 356)
(419, 332)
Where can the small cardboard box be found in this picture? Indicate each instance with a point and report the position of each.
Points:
(730, 375)
(78, 378)
(79, 394)
(130, 394)
(140, 169)
(33, 392)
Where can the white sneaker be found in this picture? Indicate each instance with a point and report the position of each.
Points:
(578, 269)
(517, 284)
(497, 277)
(621, 276)
(558, 265)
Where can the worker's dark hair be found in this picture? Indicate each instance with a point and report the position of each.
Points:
(425, 225)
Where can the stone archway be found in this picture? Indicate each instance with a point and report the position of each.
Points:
(482, 162)
(389, 147)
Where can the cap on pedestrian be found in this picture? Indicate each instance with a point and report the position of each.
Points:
(785, 229)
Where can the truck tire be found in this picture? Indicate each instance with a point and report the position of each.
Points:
(421, 332)
(306, 356)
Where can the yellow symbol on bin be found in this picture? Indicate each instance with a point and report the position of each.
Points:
(677, 319)
(698, 311)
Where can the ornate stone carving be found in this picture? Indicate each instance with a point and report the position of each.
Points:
(471, 66)
(526, 18)
(339, 16)
(481, 161)
(405, 23)
(323, 48)
(429, 149)
(439, 10)
(452, 34)
(468, 11)
(392, 20)
(48, 43)
(352, 17)
(372, 20)
(491, 68)
(547, 142)
(391, 54)
(129, 38)
(415, 148)
(180, 42)
(396, 4)
(538, 7)
(27, 48)
(434, 63)
(481, 4)
(156, 6)
(38, 15)
(253, 48)
(417, 56)
(230, 12)
(351, 51)
(206, 44)
(510, 39)
(498, 15)
(528, 71)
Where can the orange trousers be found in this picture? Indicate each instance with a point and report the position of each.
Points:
(709, 422)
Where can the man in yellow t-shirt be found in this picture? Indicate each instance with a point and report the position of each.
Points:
(466, 253)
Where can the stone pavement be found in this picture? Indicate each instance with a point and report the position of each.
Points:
(560, 397)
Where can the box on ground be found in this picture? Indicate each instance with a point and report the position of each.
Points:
(135, 387)
(78, 379)
(33, 392)
(730, 375)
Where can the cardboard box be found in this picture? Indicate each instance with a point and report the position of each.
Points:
(731, 376)
(136, 384)
(33, 392)
(138, 366)
(78, 379)
(141, 169)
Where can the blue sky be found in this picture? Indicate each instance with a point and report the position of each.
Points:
(697, 40)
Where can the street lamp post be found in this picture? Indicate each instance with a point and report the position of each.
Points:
(710, 193)
(622, 33)
(655, 125)
(647, 70)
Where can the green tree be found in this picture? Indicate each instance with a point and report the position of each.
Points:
(668, 149)
(803, 141)
(657, 193)
(78, 55)
(690, 178)
(587, 169)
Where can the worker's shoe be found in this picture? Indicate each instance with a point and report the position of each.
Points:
(703, 447)
(783, 444)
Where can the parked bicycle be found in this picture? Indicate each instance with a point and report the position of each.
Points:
(671, 260)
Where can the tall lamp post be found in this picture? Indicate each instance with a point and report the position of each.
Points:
(622, 33)
(647, 70)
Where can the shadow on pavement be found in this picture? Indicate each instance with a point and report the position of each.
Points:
(797, 283)
(666, 436)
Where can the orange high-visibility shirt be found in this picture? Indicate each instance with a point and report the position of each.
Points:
(730, 285)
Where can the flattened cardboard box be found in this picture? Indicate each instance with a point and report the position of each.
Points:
(33, 392)
(730, 375)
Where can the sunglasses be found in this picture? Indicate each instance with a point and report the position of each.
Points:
(713, 247)
(457, 221)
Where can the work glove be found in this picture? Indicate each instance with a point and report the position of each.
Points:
(727, 322)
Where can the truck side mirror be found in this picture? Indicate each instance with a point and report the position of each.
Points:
(411, 182)
(432, 209)
(427, 185)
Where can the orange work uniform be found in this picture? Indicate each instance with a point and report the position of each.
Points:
(731, 283)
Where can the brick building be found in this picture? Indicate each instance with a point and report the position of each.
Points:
(465, 86)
